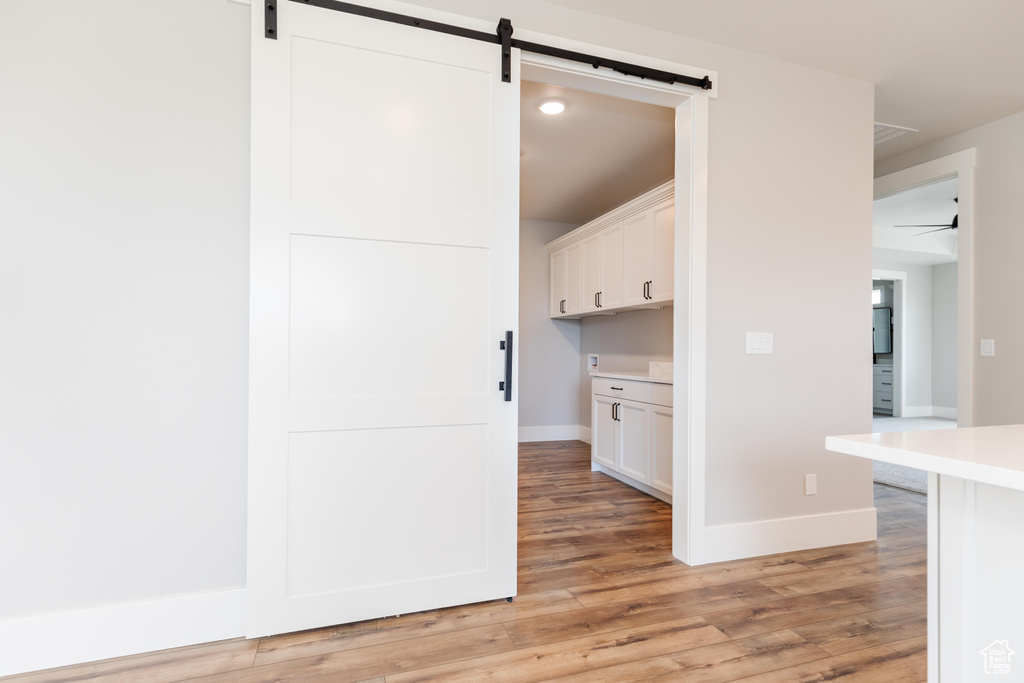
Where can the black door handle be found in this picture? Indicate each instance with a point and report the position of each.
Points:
(506, 386)
(615, 412)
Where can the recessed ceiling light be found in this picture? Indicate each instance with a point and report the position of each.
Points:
(552, 106)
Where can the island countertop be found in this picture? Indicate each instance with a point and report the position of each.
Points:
(988, 455)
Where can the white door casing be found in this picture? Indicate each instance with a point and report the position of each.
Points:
(384, 272)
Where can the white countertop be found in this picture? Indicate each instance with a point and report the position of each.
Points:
(635, 376)
(989, 455)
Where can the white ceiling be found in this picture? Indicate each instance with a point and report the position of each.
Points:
(597, 154)
(931, 204)
(941, 66)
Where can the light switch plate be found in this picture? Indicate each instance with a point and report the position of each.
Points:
(759, 342)
(988, 347)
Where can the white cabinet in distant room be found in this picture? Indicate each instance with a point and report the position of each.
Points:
(883, 383)
(602, 270)
(566, 281)
(631, 437)
(648, 251)
(623, 261)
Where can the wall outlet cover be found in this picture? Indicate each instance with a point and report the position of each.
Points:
(810, 484)
(759, 343)
(988, 347)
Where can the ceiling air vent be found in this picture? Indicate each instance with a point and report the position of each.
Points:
(885, 133)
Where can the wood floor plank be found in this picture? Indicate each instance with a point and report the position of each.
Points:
(396, 629)
(350, 666)
(868, 629)
(807, 609)
(613, 617)
(156, 667)
(871, 665)
(543, 662)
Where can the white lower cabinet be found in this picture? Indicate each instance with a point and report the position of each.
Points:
(604, 437)
(631, 439)
(659, 444)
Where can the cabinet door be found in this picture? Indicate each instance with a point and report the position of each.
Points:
(638, 245)
(612, 267)
(659, 447)
(591, 272)
(604, 434)
(557, 283)
(573, 278)
(633, 452)
(663, 255)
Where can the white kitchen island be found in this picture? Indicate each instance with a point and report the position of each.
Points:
(975, 544)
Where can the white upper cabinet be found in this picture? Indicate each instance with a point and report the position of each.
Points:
(573, 279)
(566, 281)
(558, 283)
(611, 266)
(649, 255)
(662, 284)
(624, 259)
(602, 270)
(593, 264)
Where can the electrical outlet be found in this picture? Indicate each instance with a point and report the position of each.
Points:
(810, 484)
(988, 347)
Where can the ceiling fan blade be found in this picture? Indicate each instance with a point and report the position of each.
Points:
(933, 225)
(926, 232)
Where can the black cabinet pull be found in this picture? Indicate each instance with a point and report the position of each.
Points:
(615, 411)
(617, 388)
(506, 386)
(599, 304)
(561, 306)
(596, 304)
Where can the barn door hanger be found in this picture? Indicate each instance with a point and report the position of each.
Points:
(502, 36)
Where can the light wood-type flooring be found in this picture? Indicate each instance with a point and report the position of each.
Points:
(602, 599)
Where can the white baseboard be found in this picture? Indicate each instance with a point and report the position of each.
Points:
(917, 411)
(788, 534)
(549, 433)
(63, 638)
(585, 435)
(929, 411)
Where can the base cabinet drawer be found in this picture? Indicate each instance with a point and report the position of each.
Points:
(629, 390)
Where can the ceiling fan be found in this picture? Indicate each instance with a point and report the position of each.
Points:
(938, 228)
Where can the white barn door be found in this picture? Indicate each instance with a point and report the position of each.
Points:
(384, 273)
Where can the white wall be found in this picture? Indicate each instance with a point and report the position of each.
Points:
(549, 350)
(916, 328)
(626, 342)
(944, 328)
(124, 298)
(998, 245)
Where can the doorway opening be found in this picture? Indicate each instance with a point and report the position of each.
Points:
(613, 146)
(915, 251)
